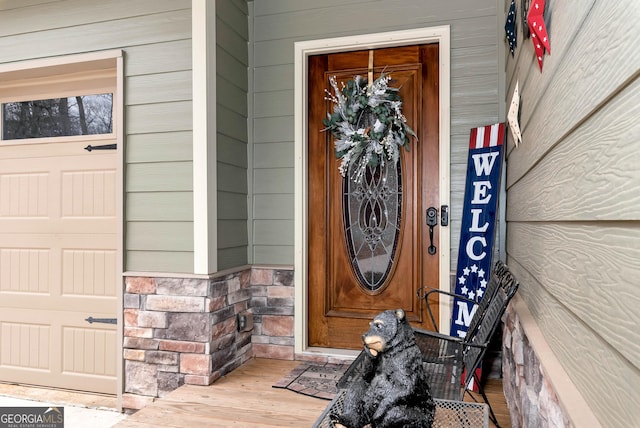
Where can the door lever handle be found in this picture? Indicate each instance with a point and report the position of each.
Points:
(432, 221)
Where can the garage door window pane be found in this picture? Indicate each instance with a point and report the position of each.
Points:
(58, 117)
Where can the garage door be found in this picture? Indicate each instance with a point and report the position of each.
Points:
(58, 236)
(58, 262)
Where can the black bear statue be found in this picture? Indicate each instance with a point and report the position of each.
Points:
(392, 391)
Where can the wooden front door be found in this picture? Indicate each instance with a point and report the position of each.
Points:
(348, 286)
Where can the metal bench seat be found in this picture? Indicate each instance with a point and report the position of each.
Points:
(449, 413)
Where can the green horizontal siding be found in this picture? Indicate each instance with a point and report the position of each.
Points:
(155, 36)
(232, 233)
(277, 25)
(275, 254)
(160, 236)
(232, 123)
(232, 151)
(163, 117)
(273, 103)
(273, 155)
(273, 232)
(232, 206)
(160, 57)
(273, 180)
(158, 88)
(232, 85)
(95, 36)
(274, 206)
(160, 147)
(159, 206)
(160, 261)
(228, 179)
(159, 177)
(573, 216)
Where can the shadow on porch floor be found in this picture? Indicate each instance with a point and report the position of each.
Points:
(246, 398)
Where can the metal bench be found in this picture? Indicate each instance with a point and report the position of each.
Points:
(452, 362)
(448, 359)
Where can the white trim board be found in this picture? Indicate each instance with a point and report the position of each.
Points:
(305, 49)
(205, 217)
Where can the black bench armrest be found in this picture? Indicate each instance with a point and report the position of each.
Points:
(426, 295)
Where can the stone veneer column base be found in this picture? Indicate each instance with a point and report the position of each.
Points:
(182, 331)
(530, 396)
(272, 304)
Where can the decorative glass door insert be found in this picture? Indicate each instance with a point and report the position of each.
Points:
(372, 212)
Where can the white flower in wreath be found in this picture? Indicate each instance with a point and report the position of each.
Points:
(378, 126)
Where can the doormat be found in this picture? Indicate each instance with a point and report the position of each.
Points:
(314, 380)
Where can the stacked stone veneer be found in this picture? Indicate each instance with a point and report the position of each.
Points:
(530, 397)
(182, 331)
(272, 304)
(185, 330)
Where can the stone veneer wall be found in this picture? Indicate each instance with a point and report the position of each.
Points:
(530, 397)
(182, 331)
(185, 331)
(272, 304)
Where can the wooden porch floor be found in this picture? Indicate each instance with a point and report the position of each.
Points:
(246, 398)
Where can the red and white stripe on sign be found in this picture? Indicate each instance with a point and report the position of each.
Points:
(487, 136)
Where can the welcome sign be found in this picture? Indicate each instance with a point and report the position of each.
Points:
(482, 191)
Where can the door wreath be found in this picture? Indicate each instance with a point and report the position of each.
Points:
(367, 123)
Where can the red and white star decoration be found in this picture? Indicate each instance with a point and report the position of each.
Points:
(539, 35)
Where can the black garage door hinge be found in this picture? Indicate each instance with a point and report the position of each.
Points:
(102, 147)
(91, 320)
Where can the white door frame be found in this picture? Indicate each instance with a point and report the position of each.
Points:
(303, 50)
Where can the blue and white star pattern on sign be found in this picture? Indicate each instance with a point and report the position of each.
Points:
(481, 283)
